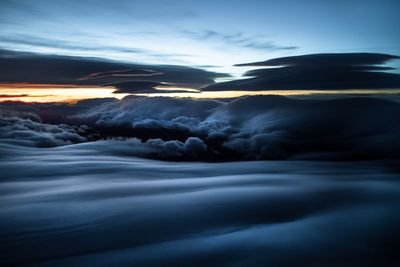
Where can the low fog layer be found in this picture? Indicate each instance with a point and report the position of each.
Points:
(247, 128)
(72, 205)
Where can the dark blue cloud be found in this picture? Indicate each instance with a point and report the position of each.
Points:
(334, 71)
(51, 69)
(79, 206)
(248, 128)
(148, 87)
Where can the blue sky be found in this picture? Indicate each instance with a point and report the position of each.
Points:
(209, 34)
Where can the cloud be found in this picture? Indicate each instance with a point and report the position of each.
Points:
(12, 96)
(28, 129)
(268, 46)
(121, 73)
(65, 44)
(147, 87)
(247, 128)
(239, 39)
(23, 67)
(326, 60)
(191, 149)
(124, 211)
(307, 72)
(317, 72)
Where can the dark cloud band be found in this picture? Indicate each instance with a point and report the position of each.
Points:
(317, 72)
(22, 67)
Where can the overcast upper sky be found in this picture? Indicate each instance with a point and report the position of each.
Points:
(208, 34)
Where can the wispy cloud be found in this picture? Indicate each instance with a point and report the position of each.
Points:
(32, 43)
(240, 39)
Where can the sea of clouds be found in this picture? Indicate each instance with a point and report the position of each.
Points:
(77, 206)
(149, 181)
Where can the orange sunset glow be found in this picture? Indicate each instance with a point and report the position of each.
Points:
(45, 93)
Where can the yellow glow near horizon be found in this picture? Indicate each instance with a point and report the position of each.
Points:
(45, 93)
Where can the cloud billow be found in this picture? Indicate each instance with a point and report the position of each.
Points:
(247, 128)
(27, 129)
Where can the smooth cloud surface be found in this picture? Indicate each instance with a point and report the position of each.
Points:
(76, 206)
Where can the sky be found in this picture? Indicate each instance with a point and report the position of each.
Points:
(208, 35)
